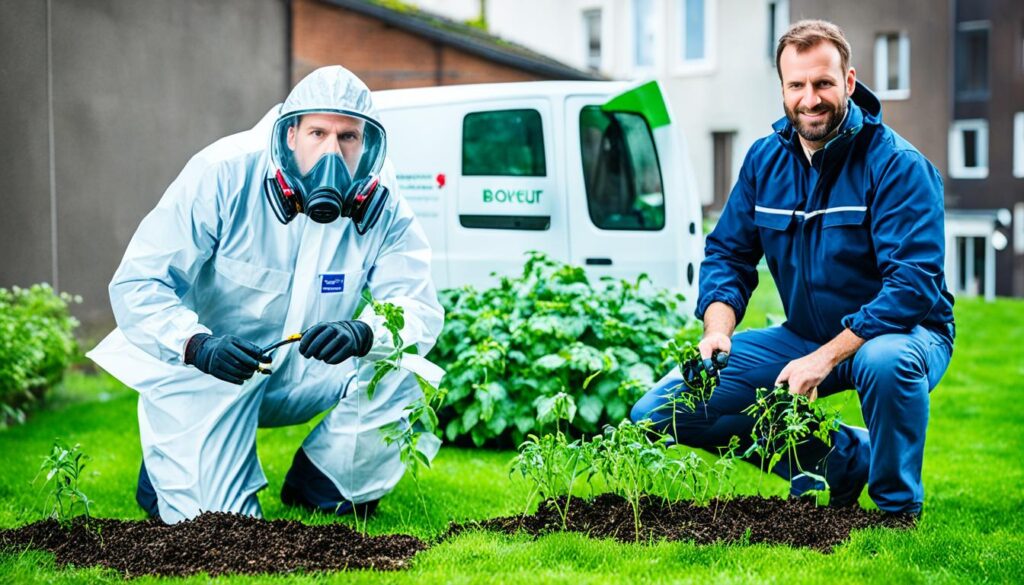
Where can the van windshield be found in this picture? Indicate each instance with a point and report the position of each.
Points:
(621, 171)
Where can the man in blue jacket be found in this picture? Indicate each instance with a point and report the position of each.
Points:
(849, 217)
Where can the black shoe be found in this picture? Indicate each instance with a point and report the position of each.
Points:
(145, 494)
(307, 487)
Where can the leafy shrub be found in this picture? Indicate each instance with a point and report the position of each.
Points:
(509, 348)
(36, 345)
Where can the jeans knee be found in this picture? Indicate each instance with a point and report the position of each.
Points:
(645, 407)
(889, 355)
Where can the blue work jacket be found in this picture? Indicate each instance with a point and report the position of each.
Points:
(854, 238)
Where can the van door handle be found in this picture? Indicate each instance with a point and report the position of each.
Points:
(599, 261)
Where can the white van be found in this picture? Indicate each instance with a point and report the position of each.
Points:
(593, 173)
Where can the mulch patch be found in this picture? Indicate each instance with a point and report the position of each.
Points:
(793, 522)
(221, 543)
(213, 543)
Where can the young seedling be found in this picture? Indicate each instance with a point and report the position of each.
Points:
(394, 322)
(550, 462)
(633, 460)
(63, 468)
(783, 422)
(422, 416)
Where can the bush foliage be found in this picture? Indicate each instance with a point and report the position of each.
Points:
(510, 349)
(36, 345)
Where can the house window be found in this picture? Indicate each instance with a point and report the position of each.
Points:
(778, 22)
(692, 30)
(1018, 145)
(968, 149)
(972, 60)
(892, 66)
(621, 171)
(592, 36)
(503, 143)
(643, 33)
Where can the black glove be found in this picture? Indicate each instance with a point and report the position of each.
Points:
(336, 341)
(228, 358)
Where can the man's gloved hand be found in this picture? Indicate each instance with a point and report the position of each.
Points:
(336, 341)
(228, 358)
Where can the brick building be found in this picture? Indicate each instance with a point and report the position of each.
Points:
(391, 48)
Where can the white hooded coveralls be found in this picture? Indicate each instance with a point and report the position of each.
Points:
(213, 258)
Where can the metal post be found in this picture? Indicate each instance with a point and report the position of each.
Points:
(990, 269)
(970, 279)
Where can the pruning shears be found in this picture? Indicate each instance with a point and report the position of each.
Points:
(266, 351)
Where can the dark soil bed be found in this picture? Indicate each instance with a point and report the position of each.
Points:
(213, 543)
(791, 522)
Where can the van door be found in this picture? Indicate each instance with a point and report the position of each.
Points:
(509, 200)
(631, 208)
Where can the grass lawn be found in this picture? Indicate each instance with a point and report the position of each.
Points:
(972, 529)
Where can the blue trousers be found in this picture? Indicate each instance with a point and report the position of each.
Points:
(893, 375)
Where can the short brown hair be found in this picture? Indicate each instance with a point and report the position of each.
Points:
(807, 34)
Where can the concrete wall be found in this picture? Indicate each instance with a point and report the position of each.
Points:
(383, 56)
(24, 145)
(128, 90)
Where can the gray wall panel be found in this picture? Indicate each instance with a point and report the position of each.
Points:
(138, 88)
(24, 145)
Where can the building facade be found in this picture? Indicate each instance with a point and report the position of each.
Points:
(950, 74)
(715, 59)
(951, 78)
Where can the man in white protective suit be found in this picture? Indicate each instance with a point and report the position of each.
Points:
(266, 233)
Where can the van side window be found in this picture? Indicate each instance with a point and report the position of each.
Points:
(621, 171)
(506, 142)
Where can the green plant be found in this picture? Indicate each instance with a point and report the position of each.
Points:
(546, 331)
(634, 462)
(550, 462)
(63, 471)
(394, 322)
(421, 417)
(784, 421)
(36, 345)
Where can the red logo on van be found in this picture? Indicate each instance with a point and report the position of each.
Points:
(440, 180)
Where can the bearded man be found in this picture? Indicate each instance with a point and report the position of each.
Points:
(849, 218)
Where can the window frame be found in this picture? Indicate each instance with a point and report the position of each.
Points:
(1018, 145)
(777, 26)
(957, 170)
(543, 142)
(586, 179)
(882, 66)
(968, 94)
(644, 68)
(584, 14)
(705, 65)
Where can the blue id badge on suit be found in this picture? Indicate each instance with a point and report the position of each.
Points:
(332, 283)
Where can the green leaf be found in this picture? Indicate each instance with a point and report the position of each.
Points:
(551, 362)
(590, 408)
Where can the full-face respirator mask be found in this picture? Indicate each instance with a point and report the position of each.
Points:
(326, 164)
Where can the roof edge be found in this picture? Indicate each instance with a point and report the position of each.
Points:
(543, 65)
